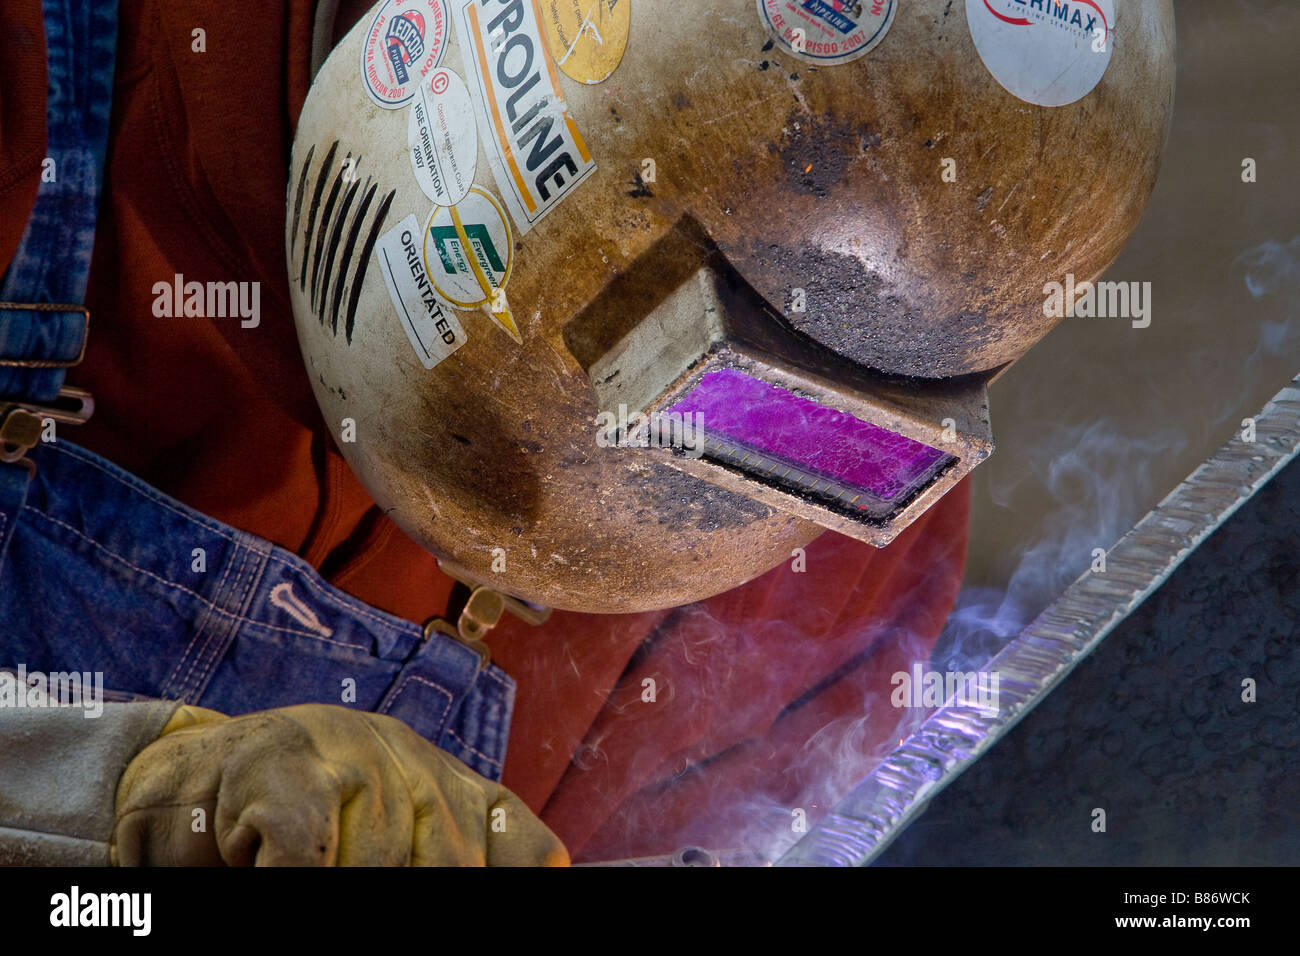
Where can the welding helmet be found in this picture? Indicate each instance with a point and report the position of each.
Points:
(613, 305)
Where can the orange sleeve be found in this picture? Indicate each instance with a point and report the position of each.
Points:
(23, 90)
(771, 697)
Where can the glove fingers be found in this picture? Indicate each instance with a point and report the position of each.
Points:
(270, 835)
(157, 799)
(448, 801)
(239, 845)
(167, 836)
(439, 841)
(462, 819)
(517, 838)
(288, 816)
(376, 822)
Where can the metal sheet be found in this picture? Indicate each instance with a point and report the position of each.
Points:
(863, 823)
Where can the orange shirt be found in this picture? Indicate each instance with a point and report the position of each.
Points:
(223, 418)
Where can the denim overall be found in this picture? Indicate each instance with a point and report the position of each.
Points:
(100, 572)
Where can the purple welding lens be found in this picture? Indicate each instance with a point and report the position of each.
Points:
(780, 437)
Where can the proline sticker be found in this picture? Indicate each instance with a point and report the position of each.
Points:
(537, 154)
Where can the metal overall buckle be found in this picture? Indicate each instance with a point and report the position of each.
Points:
(481, 611)
(23, 424)
(50, 307)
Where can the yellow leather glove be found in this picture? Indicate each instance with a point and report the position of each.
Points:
(315, 785)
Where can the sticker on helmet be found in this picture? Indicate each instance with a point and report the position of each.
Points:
(468, 253)
(430, 324)
(406, 40)
(537, 154)
(828, 32)
(587, 38)
(1045, 52)
(443, 138)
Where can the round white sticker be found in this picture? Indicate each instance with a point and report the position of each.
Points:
(406, 40)
(828, 32)
(1046, 52)
(468, 250)
(443, 138)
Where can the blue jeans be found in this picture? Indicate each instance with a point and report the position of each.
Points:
(100, 572)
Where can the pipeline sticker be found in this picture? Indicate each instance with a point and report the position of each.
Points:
(828, 32)
(406, 40)
(587, 38)
(536, 151)
(468, 252)
(430, 324)
(1045, 52)
(443, 138)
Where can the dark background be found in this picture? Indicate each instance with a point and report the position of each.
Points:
(1152, 727)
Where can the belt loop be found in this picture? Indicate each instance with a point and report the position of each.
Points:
(432, 684)
(481, 613)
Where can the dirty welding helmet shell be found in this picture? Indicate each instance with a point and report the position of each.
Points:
(510, 244)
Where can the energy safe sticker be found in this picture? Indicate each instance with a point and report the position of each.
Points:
(406, 40)
(1046, 52)
(537, 154)
(828, 32)
(587, 38)
(443, 138)
(430, 324)
(468, 252)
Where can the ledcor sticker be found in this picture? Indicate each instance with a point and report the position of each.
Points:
(443, 138)
(1045, 52)
(828, 32)
(405, 42)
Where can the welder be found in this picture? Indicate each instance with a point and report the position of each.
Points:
(328, 562)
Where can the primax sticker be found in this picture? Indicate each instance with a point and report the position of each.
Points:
(1046, 52)
(430, 324)
(533, 144)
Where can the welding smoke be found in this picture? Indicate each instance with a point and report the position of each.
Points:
(1091, 473)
